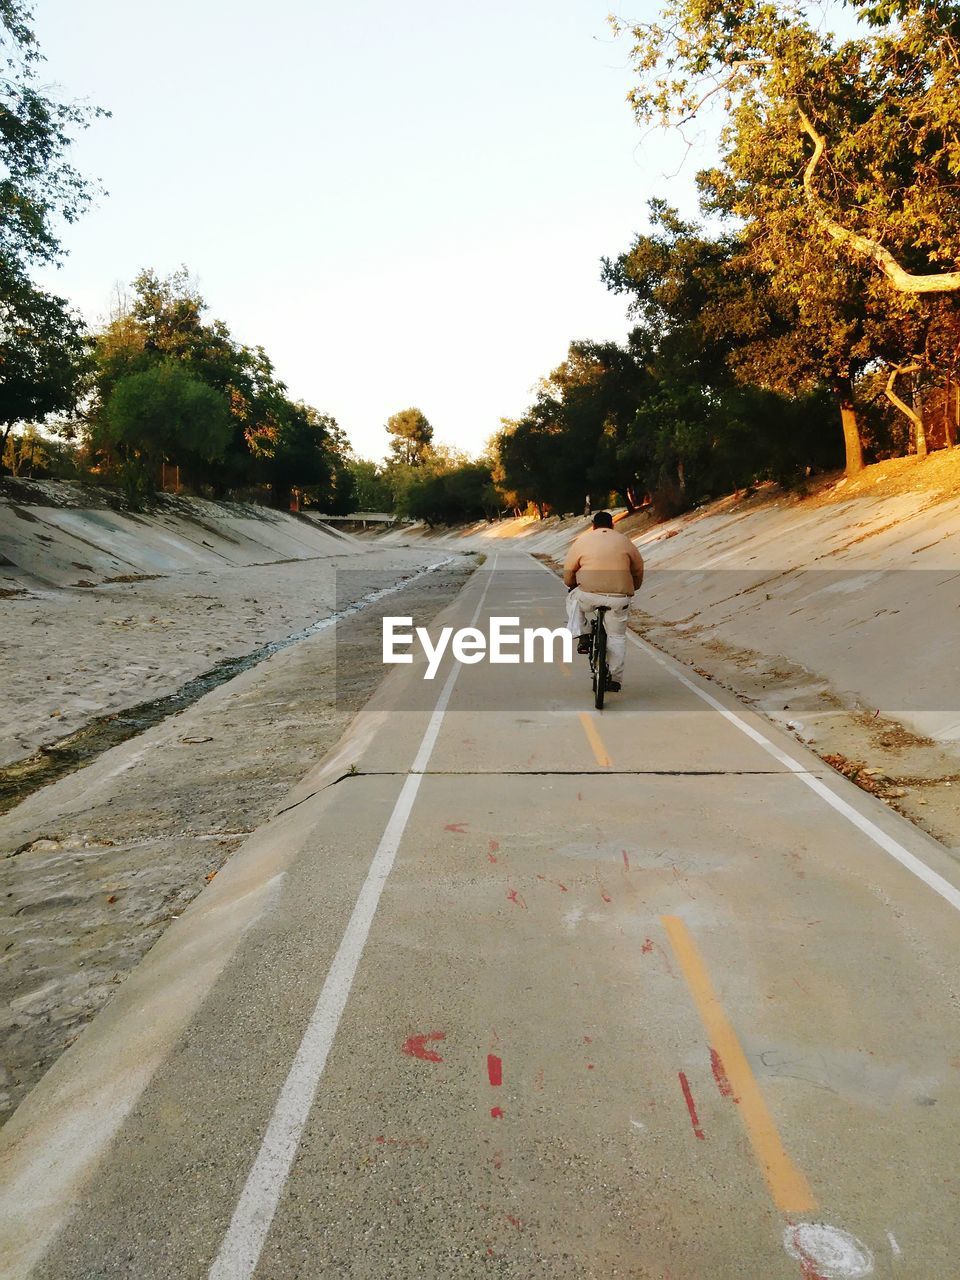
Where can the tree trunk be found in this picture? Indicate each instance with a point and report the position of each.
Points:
(949, 438)
(681, 476)
(852, 446)
(3, 443)
(919, 434)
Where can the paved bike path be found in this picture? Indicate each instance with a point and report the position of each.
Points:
(634, 1000)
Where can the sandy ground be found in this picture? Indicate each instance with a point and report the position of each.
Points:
(80, 653)
(97, 864)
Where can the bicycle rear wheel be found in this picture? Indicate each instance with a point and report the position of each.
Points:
(600, 666)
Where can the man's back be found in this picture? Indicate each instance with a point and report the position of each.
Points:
(604, 562)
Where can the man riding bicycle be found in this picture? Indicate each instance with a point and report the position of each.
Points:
(602, 568)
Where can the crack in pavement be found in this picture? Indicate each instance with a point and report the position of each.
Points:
(548, 773)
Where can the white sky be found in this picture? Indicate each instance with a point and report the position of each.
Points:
(404, 203)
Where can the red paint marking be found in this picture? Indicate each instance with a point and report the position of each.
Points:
(626, 860)
(561, 887)
(515, 1221)
(381, 1138)
(416, 1046)
(806, 1262)
(588, 1039)
(691, 1107)
(494, 846)
(605, 896)
(498, 1159)
(495, 1069)
(647, 947)
(491, 857)
(513, 896)
(589, 1066)
(458, 827)
(579, 795)
(496, 1113)
(720, 1075)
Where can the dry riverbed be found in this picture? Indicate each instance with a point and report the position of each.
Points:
(77, 653)
(97, 864)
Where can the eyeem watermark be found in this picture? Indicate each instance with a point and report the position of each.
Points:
(505, 643)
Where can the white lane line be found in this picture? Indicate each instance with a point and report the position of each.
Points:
(909, 860)
(245, 1237)
(887, 843)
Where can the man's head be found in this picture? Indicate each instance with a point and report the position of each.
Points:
(602, 520)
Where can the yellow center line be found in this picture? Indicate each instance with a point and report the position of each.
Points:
(596, 742)
(790, 1190)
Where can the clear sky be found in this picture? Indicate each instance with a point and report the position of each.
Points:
(404, 203)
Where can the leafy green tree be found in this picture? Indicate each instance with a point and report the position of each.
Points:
(297, 451)
(41, 339)
(412, 437)
(371, 487)
(596, 390)
(462, 493)
(712, 306)
(522, 471)
(44, 357)
(164, 320)
(874, 122)
(164, 413)
(39, 188)
(839, 163)
(564, 453)
(338, 496)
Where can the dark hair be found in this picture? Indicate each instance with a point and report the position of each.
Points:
(602, 520)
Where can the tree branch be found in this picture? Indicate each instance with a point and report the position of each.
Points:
(902, 280)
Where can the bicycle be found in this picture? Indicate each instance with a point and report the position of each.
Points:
(599, 671)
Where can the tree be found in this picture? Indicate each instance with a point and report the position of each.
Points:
(298, 449)
(41, 347)
(164, 413)
(371, 488)
(43, 354)
(164, 320)
(889, 105)
(595, 395)
(338, 496)
(39, 187)
(521, 472)
(452, 496)
(879, 116)
(412, 437)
